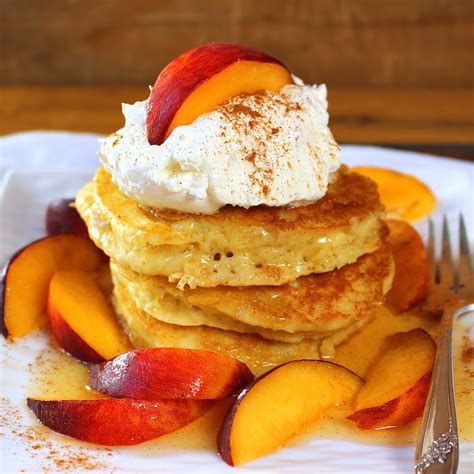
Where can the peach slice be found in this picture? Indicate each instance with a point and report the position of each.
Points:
(280, 404)
(398, 382)
(171, 373)
(68, 339)
(410, 282)
(63, 218)
(82, 319)
(397, 412)
(26, 276)
(402, 194)
(116, 421)
(204, 77)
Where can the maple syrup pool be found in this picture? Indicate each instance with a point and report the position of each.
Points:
(58, 376)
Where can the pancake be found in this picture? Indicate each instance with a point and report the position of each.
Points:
(236, 246)
(311, 306)
(169, 309)
(257, 352)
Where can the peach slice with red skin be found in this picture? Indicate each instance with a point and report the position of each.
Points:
(173, 373)
(26, 276)
(116, 421)
(397, 383)
(82, 319)
(410, 282)
(204, 77)
(62, 218)
(280, 404)
(397, 412)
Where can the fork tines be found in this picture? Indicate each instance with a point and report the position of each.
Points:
(446, 272)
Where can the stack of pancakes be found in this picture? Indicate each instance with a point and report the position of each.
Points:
(264, 285)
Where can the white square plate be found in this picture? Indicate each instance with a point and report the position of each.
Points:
(36, 168)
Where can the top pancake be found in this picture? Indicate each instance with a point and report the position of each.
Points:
(236, 247)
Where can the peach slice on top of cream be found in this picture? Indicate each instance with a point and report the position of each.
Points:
(204, 77)
(224, 125)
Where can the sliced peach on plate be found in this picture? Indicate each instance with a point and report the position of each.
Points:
(68, 339)
(157, 373)
(397, 412)
(410, 282)
(62, 218)
(204, 77)
(397, 383)
(82, 319)
(280, 404)
(116, 421)
(402, 194)
(26, 276)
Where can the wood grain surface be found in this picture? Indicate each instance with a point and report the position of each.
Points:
(401, 116)
(344, 43)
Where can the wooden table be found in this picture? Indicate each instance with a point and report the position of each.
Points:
(435, 120)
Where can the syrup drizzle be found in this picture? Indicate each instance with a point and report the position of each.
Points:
(56, 375)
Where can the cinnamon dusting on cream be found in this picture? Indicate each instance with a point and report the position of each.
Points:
(265, 148)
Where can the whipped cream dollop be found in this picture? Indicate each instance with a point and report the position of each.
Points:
(272, 148)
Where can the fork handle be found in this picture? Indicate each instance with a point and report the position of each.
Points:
(437, 447)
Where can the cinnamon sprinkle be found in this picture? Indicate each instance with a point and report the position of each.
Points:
(251, 158)
(245, 118)
(243, 109)
(467, 354)
(117, 139)
(39, 443)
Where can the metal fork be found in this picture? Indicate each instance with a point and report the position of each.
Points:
(452, 287)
